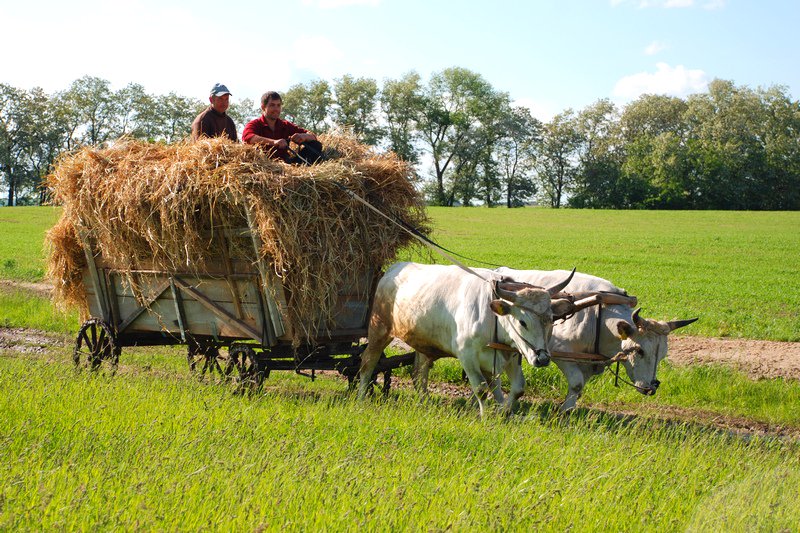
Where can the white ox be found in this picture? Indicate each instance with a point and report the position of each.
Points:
(444, 311)
(644, 342)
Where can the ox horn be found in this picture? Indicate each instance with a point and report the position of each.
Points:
(555, 289)
(675, 324)
(639, 321)
(511, 296)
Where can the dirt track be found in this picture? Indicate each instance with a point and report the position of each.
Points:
(759, 359)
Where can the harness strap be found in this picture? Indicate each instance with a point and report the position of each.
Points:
(597, 326)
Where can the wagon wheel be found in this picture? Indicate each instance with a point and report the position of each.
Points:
(244, 368)
(95, 343)
(204, 358)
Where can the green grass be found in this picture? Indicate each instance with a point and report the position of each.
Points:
(22, 253)
(713, 389)
(153, 450)
(20, 308)
(737, 271)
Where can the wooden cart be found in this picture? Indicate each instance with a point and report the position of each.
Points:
(232, 303)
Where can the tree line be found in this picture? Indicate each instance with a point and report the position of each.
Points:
(731, 147)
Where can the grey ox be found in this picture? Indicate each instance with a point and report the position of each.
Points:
(643, 342)
(444, 311)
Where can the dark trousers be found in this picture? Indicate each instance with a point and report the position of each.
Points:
(311, 151)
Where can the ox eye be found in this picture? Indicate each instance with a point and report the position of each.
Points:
(639, 351)
(523, 324)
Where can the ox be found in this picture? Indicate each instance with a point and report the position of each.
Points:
(643, 342)
(444, 311)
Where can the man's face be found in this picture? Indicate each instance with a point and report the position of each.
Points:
(272, 109)
(220, 103)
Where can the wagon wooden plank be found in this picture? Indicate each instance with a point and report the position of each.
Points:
(212, 306)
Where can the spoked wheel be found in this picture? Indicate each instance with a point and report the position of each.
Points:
(205, 358)
(95, 344)
(243, 367)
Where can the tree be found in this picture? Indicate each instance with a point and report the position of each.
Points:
(46, 136)
(556, 164)
(243, 111)
(355, 107)
(12, 140)
(514, 153)
(94, 111)
(400, 102)
(174, 116)
(453, 105)
(308, 105)
(655, 171)
(727, 148)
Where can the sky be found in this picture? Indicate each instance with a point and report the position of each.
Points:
(546, 54)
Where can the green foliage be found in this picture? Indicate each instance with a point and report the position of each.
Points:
(730, 148)
(356, 107)
(308, 105)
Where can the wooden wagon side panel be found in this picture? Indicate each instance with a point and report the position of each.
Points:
(184, 305)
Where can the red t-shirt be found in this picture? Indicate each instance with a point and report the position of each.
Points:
(283, 130)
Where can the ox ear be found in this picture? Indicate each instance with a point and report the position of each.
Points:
(562, 308)
(625, 329)
(500, 307)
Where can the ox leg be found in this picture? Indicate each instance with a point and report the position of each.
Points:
(496, 386)
(514, 372)
(477, 382)
(575, 382)
(419, 375)
(378, 339)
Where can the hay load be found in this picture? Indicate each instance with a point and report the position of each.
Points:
(154, 206)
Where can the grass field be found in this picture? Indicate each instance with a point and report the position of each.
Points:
(154, 449)
(737, 271)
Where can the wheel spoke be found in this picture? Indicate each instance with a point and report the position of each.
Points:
(87, 342)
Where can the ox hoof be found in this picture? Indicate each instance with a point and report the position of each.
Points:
(541, 360)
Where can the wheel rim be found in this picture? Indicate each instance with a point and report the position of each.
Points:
(243, 368)
(95, 343)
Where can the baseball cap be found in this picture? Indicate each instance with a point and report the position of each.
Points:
(218, 90)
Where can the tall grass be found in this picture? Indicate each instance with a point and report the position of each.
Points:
(149, 450)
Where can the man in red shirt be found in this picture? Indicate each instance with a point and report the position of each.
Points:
(273, 133)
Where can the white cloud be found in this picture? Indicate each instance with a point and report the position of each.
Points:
(654, 48)
(334, 4)
(673, 81)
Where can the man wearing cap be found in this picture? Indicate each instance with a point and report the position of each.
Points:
(213, 122)
(273, 133)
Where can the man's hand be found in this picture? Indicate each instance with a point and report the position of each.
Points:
(300, 138)
(280, 144)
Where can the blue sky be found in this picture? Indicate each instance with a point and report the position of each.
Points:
(547, 54)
